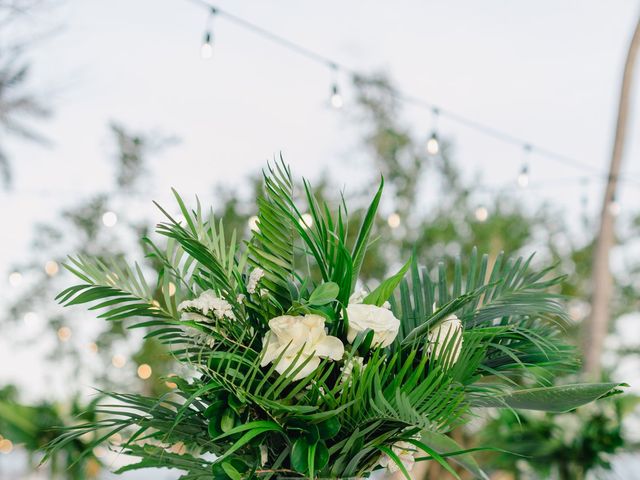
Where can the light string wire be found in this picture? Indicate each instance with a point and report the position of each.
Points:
(409, 99)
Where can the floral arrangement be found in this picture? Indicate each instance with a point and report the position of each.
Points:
(296, 371)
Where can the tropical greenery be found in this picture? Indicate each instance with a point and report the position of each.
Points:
(375, 404)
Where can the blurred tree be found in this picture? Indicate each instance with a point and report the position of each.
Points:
(19, 106)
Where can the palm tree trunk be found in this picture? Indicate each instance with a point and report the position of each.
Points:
(601, 279)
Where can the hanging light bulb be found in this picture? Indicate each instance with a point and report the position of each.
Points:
(206, 49)
(523, 177)
(433, 144)
(614, 206)
(336, 98)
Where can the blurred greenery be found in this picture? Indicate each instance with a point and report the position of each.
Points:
(436, 204)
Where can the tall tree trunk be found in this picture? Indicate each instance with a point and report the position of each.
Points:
(601, 280)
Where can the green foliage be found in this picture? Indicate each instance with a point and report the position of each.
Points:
(261, 419)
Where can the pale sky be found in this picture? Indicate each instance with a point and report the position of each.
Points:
(544, 70)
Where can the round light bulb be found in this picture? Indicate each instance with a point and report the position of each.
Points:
(614, 208)
(206, 51)
(51, 268)
(393, 220)
(109, 219)
(118, 361)
(481, 214)
(64, 334)
(15, 279)
(433, 145)
(336, 98)
(144, 371)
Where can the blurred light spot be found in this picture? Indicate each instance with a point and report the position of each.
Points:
(15, 279)
(118, 360)
(433, 145)
(51, 268)
(116, 439)
(99, 452)
(92, 347)
(64, 334)
(144, 371)
(172, 289)
(30, 318)
(6, 446)
(481, 214)
(614, 208)
(393, 220)
(109, 219)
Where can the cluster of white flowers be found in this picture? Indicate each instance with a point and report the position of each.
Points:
(207, 302)
(305, 335)
(200, 337)
(347, 369)
(254, 278)
(405, 451)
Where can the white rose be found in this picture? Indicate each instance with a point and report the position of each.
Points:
(381, 320)
(293, 335)
(443, 334)
(405, 452)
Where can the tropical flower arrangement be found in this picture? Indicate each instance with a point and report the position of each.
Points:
(298, 371)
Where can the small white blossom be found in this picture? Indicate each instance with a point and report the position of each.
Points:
(347, 368)
(196, 317)
(358, 296)
(405, 452)
(240, 298)
(200, 337)
(305, 336)
(209, 302)
(264, 292)
(254, 277)
(264, 455)
(386, 305)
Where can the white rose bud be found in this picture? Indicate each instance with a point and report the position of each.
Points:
(381, 320)
(444, 334)
(305, 335)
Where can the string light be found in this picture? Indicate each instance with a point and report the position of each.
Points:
(169, 383)
(172, 289)
(144, 371)
(433, 144)
(487, 130)
(393, 220)
(336, 99)
(523, 177)
(109, 219)
(92, 347)
(481, 214)
(206, 49)
(51, 268)
(614, 206)
(15, 279)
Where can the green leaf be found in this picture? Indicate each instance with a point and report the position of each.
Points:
(558, 399)
(325, 293)
(444, 444)
(231, 471)
(329, 428)
(384, 291)
(300, 455)
(360, 247)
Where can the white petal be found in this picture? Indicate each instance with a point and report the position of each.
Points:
(330, 347)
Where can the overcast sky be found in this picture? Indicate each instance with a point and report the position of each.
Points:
(543, 70)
